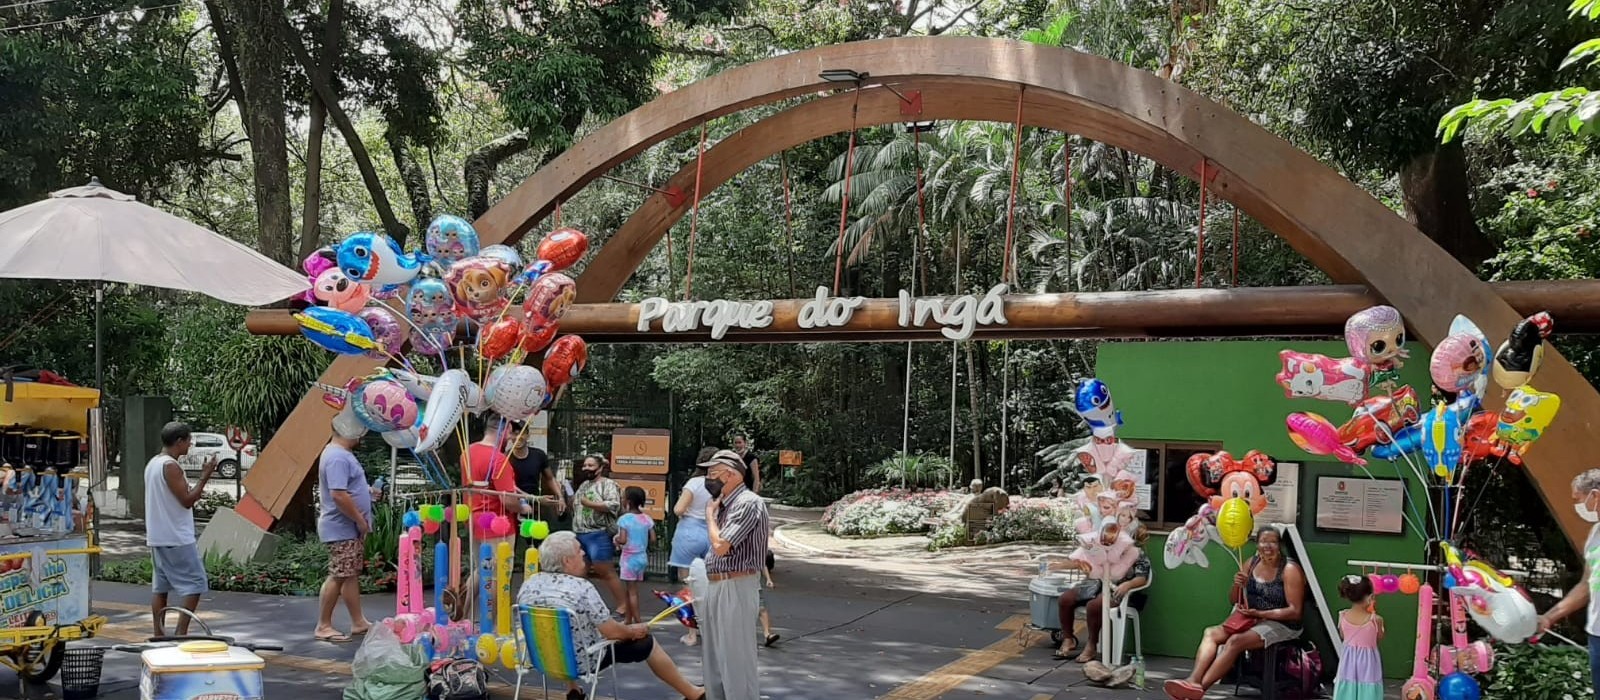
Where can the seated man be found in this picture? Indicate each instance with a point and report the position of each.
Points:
(560, 584)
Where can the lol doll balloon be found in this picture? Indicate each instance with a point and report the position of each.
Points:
(450, 239)
(1376, 337)
(389, 332)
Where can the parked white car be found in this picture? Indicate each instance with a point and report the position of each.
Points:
(229, 465)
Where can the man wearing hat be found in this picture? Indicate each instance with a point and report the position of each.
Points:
(736, 520)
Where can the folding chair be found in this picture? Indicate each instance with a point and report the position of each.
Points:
(1120, 615)
(548, 648)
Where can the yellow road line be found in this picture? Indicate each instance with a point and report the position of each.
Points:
(951, 675)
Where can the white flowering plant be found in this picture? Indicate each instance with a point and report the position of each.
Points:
(888, 511)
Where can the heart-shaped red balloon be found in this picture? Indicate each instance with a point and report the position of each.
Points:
(497, 339)
(563, 247)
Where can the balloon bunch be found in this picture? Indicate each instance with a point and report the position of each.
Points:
(1108, 505)
(453, 284)
(1367, 380)
(1234, 490)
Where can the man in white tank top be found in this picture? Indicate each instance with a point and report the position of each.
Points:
(169, 527)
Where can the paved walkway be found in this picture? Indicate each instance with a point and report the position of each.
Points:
(868, 621)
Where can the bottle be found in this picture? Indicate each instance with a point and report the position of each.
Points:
(1138, 671)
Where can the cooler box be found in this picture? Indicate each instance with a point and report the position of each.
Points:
(201, 671)
(1044, 593)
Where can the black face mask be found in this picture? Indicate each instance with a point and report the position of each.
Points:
(714, 488)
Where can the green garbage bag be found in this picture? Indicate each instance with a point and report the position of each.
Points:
(385, 669)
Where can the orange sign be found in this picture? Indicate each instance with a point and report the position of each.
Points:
(655, 493)
(640, 450)
(790, 458)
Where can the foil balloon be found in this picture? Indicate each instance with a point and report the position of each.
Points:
(1462, 325)
(334, 289)
(1457, 362)
(565, 360)
(1110, 552)
(1187, 544)
(1316, 435)
(1441, 431)
(549, 299)
(1378, 418)
(430, 305)
(1235, 523)
(387, 331)
(684, 604)
(1527, 413)
(1092, 401)
(315, 264)
(1519, 358)
(1407, 441)
(1376, 337)
(450, 239)
(497, 339)
(535, 338)
(384, 405)
(376, 260)
(515, 391)
(402, 439)
(479, 285)
(1221, 478)
(1481, 442)
(335, 330)
(446, 406)
(1308, 375)
(563, 247)
(503, 253)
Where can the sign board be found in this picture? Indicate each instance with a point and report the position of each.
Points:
(1283, 496)
(1360, 504)
(655, 493)
(640, 450)
(956, 317)
(237, 437)
(58, 586)
(790, 458)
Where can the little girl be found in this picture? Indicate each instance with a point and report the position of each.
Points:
(635, 532)
(1360, 669)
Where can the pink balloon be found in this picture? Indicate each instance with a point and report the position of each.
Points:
(386, 329)
(340, 292)
(1316, 435)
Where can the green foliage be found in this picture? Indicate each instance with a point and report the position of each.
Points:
(912, 470)
(265, 377)
(1573, 110)
(1539, 672)
(210, 503)
(298, 568)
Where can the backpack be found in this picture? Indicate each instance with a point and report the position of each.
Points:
(1303, 665)
(457, 679)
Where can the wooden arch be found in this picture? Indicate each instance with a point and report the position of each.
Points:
(1335, 224)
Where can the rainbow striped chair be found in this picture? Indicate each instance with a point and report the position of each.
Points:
(548, 648)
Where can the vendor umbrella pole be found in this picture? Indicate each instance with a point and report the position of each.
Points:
(98, 431)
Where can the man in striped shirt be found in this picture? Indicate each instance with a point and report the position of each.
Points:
(736, 520)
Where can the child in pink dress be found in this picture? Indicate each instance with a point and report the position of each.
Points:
(1360, 668)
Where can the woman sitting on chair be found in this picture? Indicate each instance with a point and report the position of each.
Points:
(1268, 597)
(1087, 594)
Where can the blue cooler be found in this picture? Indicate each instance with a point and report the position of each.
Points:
(1044, 593)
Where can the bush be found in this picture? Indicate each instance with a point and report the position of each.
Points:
(1539, 672)
(883, 512)
(1031, 519)
(912, 470)
(298, 568)
(210, 503)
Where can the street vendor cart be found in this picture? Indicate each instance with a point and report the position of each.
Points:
(46, 533)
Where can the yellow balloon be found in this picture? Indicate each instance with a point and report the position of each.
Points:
(508, 654)
(488, 649)
(1235, 523)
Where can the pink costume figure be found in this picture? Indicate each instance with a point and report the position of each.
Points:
(1109, 553)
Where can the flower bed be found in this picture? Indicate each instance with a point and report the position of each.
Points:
(298, 568)
(1026, 519)
(886, 512)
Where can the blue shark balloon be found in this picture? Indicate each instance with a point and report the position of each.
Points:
(1405, 442)
(376, 260)
(1092, 401)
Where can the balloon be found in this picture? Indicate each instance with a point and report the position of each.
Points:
(403, 439)
(515, 391)
(446, 404)
(1379, 417)
(1109, 552)
(1462, 325)
(684, 614)
(1405, 442)
(335, 330)
(1377, 336)
(450, 238)
(1186, 545)
(1092, 401)
(1459, 686)
(387, 330)
(497, 339)
(1441, 431)
(1388, 583)
(1480, 441)
(385, 406)
(565, 360)
(1219, 477)
(1457, 362)
(1527, 413)
(563, 247)
(1523, 352)
(1235, 523)
(431, 307)
(1320, 377)
(478, 285)
(536, 338)
(334, 289)
(1316, 435)
(411, 519)
(549, 299)
(503, 253)
(315, 264)
(377, 260)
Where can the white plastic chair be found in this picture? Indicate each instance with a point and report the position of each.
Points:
(1120, 615)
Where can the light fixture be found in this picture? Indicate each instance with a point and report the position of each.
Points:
(842, 75)
(921, 127)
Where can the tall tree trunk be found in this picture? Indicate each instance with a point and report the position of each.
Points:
(260, 64)
(1438, 201)
(310, 215)
(415, 179)
(330, 99)
(976, 416)
(481, 165)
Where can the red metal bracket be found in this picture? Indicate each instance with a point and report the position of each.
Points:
(911, 104)
(675, 196)
(1210, 171)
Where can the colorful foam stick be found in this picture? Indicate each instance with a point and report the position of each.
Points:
(408, 556)
(441, 581)
(502, 580)
(1421, 686)
(415, 573)
(485, 587)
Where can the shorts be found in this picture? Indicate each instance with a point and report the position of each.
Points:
(178, 569)
(633, 565)
(690, 541)
(598, 547)
(632, 651)
(1273, 632)
(345, 558)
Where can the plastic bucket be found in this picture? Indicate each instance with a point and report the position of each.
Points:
(80, 672)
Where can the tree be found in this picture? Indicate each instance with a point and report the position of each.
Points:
(1575, 109)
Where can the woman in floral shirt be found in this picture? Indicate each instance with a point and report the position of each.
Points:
(599, 502)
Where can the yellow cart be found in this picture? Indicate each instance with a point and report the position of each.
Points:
(44, 602)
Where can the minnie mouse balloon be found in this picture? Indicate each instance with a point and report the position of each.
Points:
(565, 360)
(563, 247)
(516, 391)
(334, 289)
(450, 239)
(497, 339)
(387, 330)
(549, 298)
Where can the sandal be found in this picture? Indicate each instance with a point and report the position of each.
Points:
(333, 638)
(1068, 653)
(772, 639)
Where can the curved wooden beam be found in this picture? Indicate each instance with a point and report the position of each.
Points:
(1335, 224)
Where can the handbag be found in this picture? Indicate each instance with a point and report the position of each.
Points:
(1238, 622)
